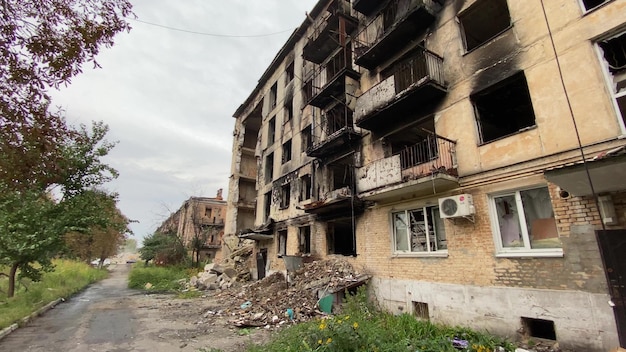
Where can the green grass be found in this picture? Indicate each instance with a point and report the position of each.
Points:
(363, 327)
(161, 279)
(67, 278)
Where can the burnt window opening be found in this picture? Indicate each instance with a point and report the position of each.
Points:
(271, 131)
(504, 108)
(307, 141)
(336, 119)
(267, 205)
(415, 143)
(288, 109)
(614, 52)
(273, 95)
(592, 4)
(289, 72)
(341, 176)
(285, 195)
(539, 328)
(207, 212)
(340, 238)
(304, 240)
(305, 187)
(286, 151)
(269, 168)
(282, 243)
(483, 21)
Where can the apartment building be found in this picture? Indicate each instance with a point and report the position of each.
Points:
(469, 154)
(199, 224)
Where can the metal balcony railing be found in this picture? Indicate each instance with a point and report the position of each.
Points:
(331, 124)
(434, 153)
(336, 8)
(326, 73)
(413, 70)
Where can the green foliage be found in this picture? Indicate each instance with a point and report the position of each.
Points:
(163, 249)
(363, 327)
(161, 279)
(68, 278)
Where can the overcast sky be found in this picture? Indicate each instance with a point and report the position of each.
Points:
(168, 96)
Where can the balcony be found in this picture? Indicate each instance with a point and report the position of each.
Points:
(422, 169)
(330, 31)
(365, 7)
(333, 132)
(335, 204)
(398, 24)
(413, 85)
(328, 83)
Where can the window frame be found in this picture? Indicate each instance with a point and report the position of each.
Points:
(281, 244)
(285, 196)
(287, 152)
(527, 250)
(608, 78)
(462, 29)
(588, 10)
(443, 253)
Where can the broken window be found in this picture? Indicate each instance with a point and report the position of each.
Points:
(282, 243)
(504, 108)
(614, 52)
(304, 240)
(341, 175)
(271, 131)
(305, 187)
(286, 151)
(288, 109)
(419, 230)
(524, 220)
(289, 73)
(267, 204)
(269, 168)
(273, 95)
(285, 195)
(483, 21)
(307, 142)
(592, 4)
(340, 237)
(207, 212)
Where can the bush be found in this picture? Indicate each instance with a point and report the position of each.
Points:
(364, 327)
(160, 278)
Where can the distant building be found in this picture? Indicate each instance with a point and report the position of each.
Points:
(199, 219)
(469, 154)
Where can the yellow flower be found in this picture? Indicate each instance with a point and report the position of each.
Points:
(319, 342)
(322, 326)
(347, 317)
(329, 340)
(355, 325)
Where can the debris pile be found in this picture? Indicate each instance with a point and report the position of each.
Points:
(273, 301)
(234, 268)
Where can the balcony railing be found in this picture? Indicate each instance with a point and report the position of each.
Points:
(397, 24)
(333, 131)
(328, 32)
(411, 83)
(326, 82)
(434, 155)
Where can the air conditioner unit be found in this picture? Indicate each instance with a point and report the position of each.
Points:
(456, 206)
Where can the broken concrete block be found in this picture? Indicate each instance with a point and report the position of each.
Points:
(231, 273)
(208, 267)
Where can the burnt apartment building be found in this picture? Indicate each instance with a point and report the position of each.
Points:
(470, 155)
(199, 219)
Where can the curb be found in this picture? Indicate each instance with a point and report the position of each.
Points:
(5, 332)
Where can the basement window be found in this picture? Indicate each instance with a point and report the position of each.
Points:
(418, 230)
(503, 109)
(269, 168)
(539, 328)
(271, 131)
(285, 195)
(304, 240)
(483, 21)
(286, 151)
(589, 5)
(282, 243)
(614, 53)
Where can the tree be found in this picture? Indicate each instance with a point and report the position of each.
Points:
(43, 44)
(100, 241)
(163, 248)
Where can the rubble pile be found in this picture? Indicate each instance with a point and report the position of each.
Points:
(273, 301)
(234, 268)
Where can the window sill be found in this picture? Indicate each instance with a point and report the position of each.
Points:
(587, 11)
(439, 254)
(531, 254)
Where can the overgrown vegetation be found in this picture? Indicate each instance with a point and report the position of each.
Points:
(67, 278)
(363, 327)
(157, 278)
(163, 249)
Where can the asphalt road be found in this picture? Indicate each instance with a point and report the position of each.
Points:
(109, 317)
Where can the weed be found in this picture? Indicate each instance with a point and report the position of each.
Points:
(161, 279)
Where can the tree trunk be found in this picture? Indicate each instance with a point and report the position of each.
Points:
(11, 290)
